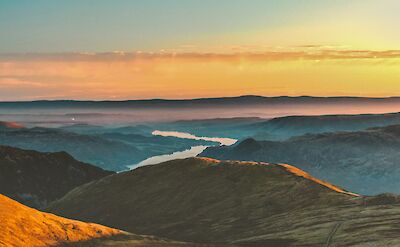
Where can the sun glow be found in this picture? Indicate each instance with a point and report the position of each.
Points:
(190, 75)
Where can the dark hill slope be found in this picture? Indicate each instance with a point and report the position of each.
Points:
(107, 154)
(108, 149)
(211, 201)
(366, 162)
(24, 226)
(35, 178)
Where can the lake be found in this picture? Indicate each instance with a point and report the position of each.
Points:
(192, 152)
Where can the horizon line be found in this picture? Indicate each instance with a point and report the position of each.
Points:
(204, 98)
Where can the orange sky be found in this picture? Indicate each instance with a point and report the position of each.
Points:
(300, 71)
(190, 49)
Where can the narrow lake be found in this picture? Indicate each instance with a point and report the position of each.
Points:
(192, 152)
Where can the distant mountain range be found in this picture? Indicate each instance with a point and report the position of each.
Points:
(35, 178)
(160, 110)
(232, 203)
(365, 161)
(280, 128)
(285, 127)
(246, 99)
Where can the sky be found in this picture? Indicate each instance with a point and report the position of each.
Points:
(131, 49)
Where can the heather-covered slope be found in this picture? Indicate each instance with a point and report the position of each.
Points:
(35, 178)
(365, 162)
(231, 203)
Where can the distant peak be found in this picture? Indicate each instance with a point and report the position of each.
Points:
(249, 144)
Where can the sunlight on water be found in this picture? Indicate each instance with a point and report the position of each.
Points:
(192, 152)
(223, 141)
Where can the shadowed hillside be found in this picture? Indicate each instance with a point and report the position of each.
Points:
(233, 203)
(24, 226)
(35, 178)
(103, 147)
(364, 161)
(108, 154)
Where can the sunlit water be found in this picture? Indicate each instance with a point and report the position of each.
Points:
(192, 152)
(183, 135)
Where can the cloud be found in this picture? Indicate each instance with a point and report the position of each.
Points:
(305, 52)
(313, 70)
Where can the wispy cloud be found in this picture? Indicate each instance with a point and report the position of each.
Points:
(310, 69)
(307, 52)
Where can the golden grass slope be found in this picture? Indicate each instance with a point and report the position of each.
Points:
(24, 226)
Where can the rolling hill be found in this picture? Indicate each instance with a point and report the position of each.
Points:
(24, 226)
(362, 161)
(35, 178)
(107, 149)
(280, 128)
(234, 203)
(285, 127)
(107, 154)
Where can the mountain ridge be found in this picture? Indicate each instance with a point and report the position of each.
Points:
(242, 98)
(234, 203)
(37, 178)
(348, 158)
(214, 204)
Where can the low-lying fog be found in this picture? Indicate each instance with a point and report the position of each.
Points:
(120, 116)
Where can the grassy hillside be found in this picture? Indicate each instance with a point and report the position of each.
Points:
(234, 204)
(362, 161)
(35, 178)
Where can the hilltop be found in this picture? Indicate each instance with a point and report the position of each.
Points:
(36, 178)
(364, 161)
(210, 201)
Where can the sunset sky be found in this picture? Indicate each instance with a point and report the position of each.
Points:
(131, 49)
